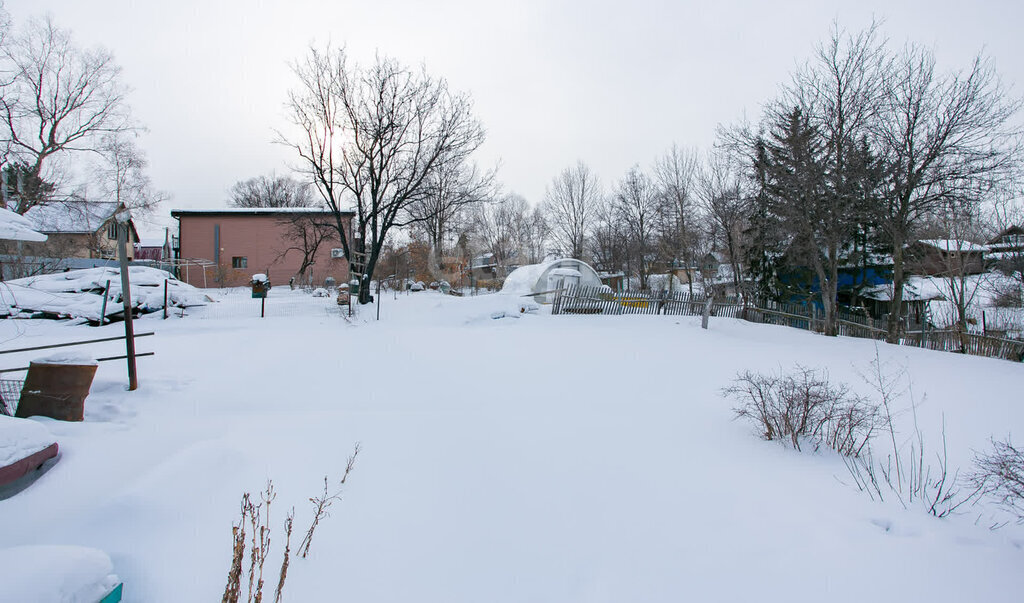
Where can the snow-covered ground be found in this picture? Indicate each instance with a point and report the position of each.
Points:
(526, 458)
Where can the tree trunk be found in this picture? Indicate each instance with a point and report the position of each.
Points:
(707, 310)
(895, 323)
(830, 296)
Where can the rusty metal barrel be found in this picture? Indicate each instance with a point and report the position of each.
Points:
(56, 390)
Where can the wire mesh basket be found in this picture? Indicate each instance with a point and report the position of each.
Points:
(10, 394)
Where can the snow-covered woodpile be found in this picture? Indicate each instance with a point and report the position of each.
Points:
(80, 293)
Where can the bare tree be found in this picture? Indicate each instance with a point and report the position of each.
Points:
(674, 174)
(304, 234)
(452, 189)
(499, 226)
(570, 201)
(961, 226)
(1007, 218)
(535, 235)
(60, 100)
(607, 242)
(371, 138)
(271, 191)
(938, 133)
(725, 203)
(121, 176)
(636, 203)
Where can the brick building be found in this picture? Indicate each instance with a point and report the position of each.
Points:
(238, 242)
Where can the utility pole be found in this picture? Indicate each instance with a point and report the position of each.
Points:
(123, 221)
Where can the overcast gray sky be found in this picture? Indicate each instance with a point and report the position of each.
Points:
(609, 83)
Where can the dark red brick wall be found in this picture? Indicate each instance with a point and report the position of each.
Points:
(261, 239)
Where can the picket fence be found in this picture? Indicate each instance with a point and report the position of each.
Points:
(597, 300)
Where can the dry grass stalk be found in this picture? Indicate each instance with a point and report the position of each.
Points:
(257, 517)
(287, 551)
(234, 587)
(323, 502)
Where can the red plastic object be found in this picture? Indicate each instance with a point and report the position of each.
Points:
(19, 468)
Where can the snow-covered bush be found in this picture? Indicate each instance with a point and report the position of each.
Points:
(804, 407)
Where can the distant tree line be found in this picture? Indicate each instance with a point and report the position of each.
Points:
(864, 150)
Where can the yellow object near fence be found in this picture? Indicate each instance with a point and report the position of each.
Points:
(636, 302)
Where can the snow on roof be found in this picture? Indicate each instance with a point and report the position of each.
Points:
(522, 279)
(152, 242)
(15, 227)
(255, 211)
(565, 272)
(484, 260)
(953, 245)
(71, 216)
(915, 289)
(1004, 255)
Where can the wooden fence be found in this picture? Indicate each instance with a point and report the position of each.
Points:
(594, 300)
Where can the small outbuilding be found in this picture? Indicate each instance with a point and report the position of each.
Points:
(542, 280)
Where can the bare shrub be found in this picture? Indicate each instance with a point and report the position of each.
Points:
(911, 479)
(1007, 295)
(999, 474)
(803, 406)
(905, 472)
(256, 518)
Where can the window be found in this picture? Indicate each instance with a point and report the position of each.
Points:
(239, 262)
(112, 229)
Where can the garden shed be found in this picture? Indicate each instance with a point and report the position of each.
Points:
(540, 280)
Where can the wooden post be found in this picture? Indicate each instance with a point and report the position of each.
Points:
(126, 298)
(103, 310)
(165, 299)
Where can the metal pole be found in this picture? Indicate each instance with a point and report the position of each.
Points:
(165, 299)
(103, 311)
(126, 298)
(263, 306)
(65, 345)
